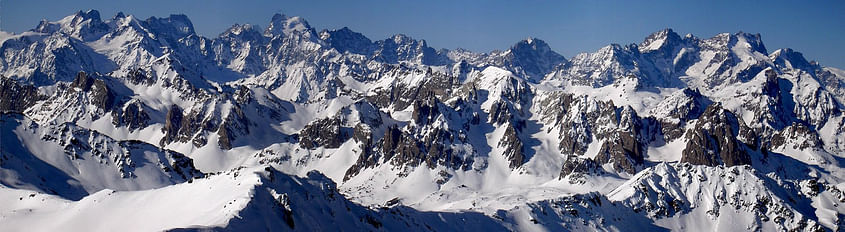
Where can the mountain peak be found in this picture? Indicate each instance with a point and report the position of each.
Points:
(84, 25)
(660, 39)
(175, 22)
(788, 58)
(281, 24)
(754, 40)
(239, 29)
(535, 47)
(531, 42)
(402, 39)
(534, 57)
(89, 14)
(345, 39)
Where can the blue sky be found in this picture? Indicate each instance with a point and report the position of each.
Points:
(816, 28)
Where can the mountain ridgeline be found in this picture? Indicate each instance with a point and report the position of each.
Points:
(676, 132)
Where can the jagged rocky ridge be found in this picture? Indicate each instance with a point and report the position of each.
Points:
(397, 121)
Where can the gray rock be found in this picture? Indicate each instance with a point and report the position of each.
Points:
(134, 116)
(717, 139)
(15, 97)
(327, 132)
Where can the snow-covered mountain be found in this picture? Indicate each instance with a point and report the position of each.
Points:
(142, 124)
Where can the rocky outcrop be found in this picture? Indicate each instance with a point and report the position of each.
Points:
(15, 97)
(172, 124)
(774, 114)
(675, 111)
(575, 133)
(426, 110)
(404, 150)
(327, 132)
(235, 124)
(625, 146)
(623, 151)
(133, 116)
(411, 146)
(531, 58)
(139, 77)
(185, 128)
(621, 131)
(798, 135)
(396, 143)
(514, 150)
(719, 138)
(346, 40)
(576, 169)
(101, 95)
(503, 113)
(373, 154)
(195, 126)
(178, 164)
(93, 161)
(500, 113)
(402, 95)
(367, 157)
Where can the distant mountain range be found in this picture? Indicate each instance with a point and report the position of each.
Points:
(141, 124)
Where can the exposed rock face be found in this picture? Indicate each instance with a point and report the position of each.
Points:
(774, 114)
(403, 48)
(532, 57)
(236, 123)
(396, 143)
(134, 116)
(509, 110)
(139, 77)
(500, 113)
(719, 138)
(624, 146)
(179, 164)
(622, 132)
(435, 148)
(327, 132)
(101, 95)
(514, 148)
(172, 123)
(354, 121)
(193, 128)
(206, 119)
(675, 111)
(400, 95)
(797, 134)
(503, 113)
(367, 157)
(15, 97)
(739, 188)
(428, 140)
(603, 67)
(577, 169)
(370, 119)
(426, 111)
(346, 40)
(575, 132)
